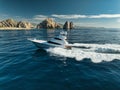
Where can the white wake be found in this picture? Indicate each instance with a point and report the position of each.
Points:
(97, 53)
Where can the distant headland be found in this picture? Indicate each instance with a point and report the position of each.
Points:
(45, 24)
(12, 24)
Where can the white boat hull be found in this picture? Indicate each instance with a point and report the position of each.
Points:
(43, 44)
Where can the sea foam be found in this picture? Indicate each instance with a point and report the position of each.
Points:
(97, 53)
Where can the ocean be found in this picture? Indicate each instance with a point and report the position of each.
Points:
(95, 67)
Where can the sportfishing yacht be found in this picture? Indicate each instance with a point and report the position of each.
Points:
(58, 41)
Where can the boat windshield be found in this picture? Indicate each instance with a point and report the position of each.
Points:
(54, 43)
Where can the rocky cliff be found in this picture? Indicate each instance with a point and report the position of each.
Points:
(10, 23)
(48, 24)
(68, 25)
(71, 25)
(23, 24)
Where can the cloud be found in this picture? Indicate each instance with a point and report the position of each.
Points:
(118, 20)
(75, 16)
(4, 16)
(105, 16)
(40, 17)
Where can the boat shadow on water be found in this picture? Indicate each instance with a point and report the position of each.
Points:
(40, 52)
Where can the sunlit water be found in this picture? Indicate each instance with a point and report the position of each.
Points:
(94, 67)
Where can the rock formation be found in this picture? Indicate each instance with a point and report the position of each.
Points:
(71, 25)
(23, 24)
(10, 23)
(68, 25)
(48, 24)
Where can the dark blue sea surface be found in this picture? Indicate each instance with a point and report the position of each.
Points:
(25, 67)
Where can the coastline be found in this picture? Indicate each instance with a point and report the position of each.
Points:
(16, 28)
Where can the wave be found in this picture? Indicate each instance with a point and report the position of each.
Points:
(96, 52)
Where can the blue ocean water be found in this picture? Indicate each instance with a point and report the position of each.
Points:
(25, 67)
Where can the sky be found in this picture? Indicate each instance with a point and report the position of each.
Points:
(89, 13)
